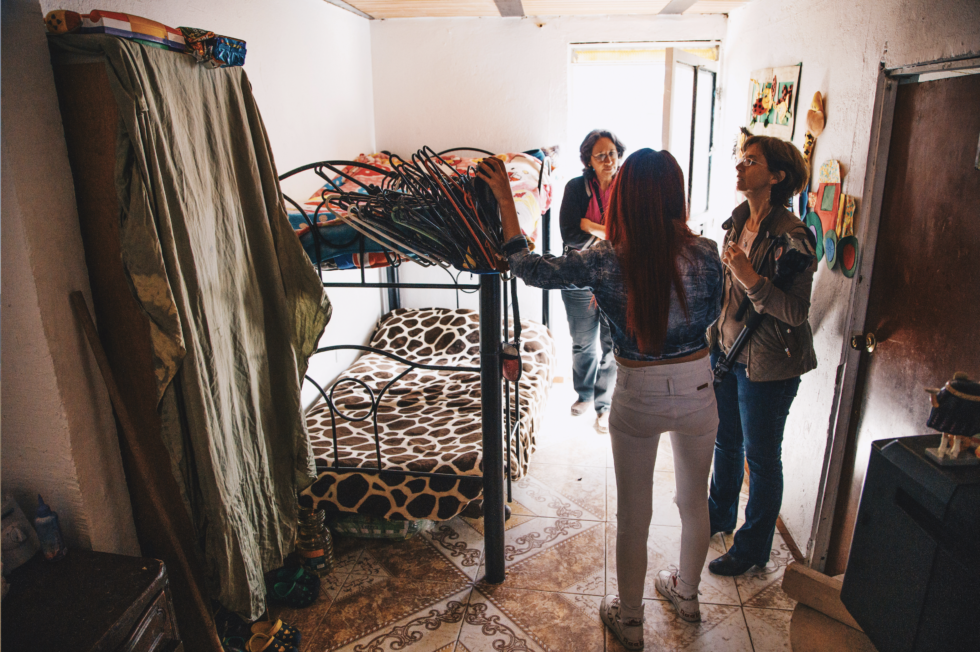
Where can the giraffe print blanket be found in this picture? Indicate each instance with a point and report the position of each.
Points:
(428, 421)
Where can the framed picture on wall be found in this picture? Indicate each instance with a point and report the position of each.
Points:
(773, 94)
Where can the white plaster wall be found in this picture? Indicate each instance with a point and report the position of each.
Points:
(59, 437)
(840, 43)
(501, 85)
(310, 67)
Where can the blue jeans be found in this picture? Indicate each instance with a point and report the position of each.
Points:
(752, 417)
(593, 378)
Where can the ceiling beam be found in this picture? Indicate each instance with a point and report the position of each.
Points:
(510, 8)
(677, 6)
(349, 7)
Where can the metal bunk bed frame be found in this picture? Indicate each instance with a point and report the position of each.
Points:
(493, 295)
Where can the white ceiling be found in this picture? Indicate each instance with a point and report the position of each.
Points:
(473, 8)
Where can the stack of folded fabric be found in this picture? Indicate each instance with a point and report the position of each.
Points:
(213, 49)
(208, 48)
(135, 28)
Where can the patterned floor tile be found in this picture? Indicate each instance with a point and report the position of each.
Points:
(769, 629)
(377, 613)
(762, 588)
(663, 551)
(572, 565)
(519, 513)
(555, 555)
(420, 558)
(459, 542)
(502, 618)
(722, 629)
(564, 491)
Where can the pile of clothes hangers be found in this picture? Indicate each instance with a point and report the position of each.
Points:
(430, 211)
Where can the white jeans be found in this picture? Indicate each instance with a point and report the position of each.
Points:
(648, 401)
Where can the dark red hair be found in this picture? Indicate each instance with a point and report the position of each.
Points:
(647, 225)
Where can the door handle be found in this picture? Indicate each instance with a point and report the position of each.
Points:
(868, 342)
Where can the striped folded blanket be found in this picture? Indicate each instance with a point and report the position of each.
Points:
(136, 28)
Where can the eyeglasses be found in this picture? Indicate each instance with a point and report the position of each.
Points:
(606, 156)
(747, 162)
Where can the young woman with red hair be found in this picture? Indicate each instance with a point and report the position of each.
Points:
(660, 287)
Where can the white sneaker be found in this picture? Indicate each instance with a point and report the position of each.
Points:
(687, 608)
(628, 631)
(602, 423)
(579, 408)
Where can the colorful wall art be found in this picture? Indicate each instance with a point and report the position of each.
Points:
(772, 101)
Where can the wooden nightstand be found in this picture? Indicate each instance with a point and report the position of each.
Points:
(88, 602)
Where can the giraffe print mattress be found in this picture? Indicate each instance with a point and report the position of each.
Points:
(428, 421)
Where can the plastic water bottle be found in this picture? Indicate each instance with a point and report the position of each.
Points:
(49, 532)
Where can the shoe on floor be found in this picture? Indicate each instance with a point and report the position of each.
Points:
(579, 408)
(729, 566)
(602, 423)
(628, 631)
(687, 608)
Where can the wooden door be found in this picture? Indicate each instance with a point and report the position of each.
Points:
(924, 303)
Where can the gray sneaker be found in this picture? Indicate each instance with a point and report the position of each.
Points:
(579, 408)
(687, 608)
(629, 631)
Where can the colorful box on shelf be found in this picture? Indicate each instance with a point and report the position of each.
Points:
(136, 28)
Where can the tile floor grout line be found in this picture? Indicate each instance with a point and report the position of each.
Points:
(747, 630)
(319, 622)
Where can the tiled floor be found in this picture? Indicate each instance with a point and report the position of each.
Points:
(425, 594)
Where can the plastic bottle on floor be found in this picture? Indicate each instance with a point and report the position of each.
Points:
(49, 532)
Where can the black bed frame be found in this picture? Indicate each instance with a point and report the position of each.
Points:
(493, 295)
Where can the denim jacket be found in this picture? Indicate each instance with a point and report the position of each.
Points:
(598, 268)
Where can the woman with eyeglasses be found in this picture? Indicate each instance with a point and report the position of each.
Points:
(659, 285)
(583, 224)
(755, 396)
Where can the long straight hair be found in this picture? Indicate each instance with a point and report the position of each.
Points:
(647, 225)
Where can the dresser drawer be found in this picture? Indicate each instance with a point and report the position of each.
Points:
(156, 630)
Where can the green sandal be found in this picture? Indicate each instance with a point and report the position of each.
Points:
(294, 594)
(296, 574)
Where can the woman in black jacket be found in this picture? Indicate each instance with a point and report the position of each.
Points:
(583, 223)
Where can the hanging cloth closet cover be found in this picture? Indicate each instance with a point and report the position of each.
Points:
(234, 305)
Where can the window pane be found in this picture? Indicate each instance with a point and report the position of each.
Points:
(626, 99)
(680, 118)
(702, 142)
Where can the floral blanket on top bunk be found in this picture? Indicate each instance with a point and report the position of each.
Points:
(339, 246)
(428, 421)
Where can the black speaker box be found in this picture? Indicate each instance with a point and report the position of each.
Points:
(913, 575)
